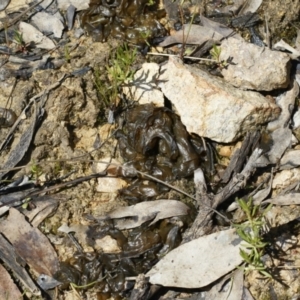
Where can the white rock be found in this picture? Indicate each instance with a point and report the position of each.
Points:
(211, 107)
(144, 89)
(110, 184)
(253, 67)
(31, 34)
(107, 244)
(48, 23)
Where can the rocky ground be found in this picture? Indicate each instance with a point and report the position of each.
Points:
(100, 185)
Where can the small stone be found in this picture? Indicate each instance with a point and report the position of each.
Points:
(225, 151)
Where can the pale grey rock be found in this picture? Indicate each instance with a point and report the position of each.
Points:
(143, 87)
(211, 107)
(48, 23)
(253, 67)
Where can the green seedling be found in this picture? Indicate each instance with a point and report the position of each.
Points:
(145, 36)
(251, 232)
(19, 41)
(215, 53)
(118, 73)
(36, 171)
(67, 54)
(26, 203)
(150, 2)
(121, 67)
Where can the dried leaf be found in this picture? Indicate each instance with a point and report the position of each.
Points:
(230, 287)
(8, 290)
(290, 160)
(250, 6)
(193, 35)
(282, 45)
(146, 211)
(288, 199)
(282, 139)
(15, 262)
(220, 28)
(286, 102)
(199, 262)
(29, 243)
(44, 206)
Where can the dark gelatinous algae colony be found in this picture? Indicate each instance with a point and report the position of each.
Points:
(154, 141)
(131, 20)
(141, 249)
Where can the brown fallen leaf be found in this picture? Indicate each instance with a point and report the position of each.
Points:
(146, 211)
(8, 290)
(30, 244)
(16, 265)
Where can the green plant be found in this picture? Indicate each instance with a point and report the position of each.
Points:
(36, 171)
(145, 36)
(19, 41)
(117, 74)
(67, 53)
(251, 232)
(215, 53)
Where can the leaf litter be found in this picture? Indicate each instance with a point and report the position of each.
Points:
(155, 211)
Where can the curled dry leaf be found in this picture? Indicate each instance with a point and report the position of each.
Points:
(146, 211)
(282, 45)
(29, 243)
(199, 262)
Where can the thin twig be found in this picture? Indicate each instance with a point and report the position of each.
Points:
(189, 57)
